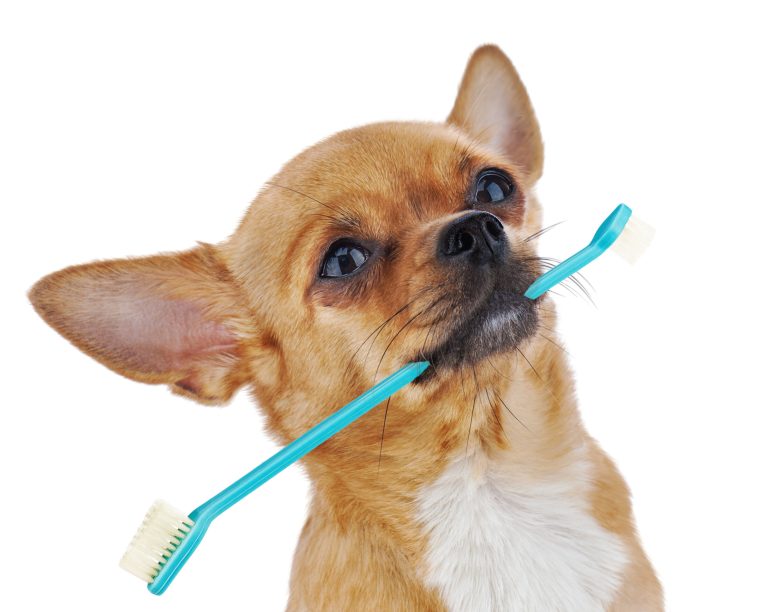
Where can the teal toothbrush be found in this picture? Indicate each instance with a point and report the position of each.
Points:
(167, 537)
(628, 235)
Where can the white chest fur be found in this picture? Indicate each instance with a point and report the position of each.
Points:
(496, 543)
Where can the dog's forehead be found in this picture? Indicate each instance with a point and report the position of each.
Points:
(381, 163)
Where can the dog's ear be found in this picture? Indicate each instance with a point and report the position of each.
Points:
(493, 107)
(177, 319)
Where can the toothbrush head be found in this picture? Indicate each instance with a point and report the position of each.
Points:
(625, 233)
(634, 239)
(158, 537)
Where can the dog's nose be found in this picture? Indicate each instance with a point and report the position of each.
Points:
(477, 237)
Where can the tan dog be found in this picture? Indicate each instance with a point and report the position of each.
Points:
(477, 487)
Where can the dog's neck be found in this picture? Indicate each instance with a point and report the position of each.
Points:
(516, 409)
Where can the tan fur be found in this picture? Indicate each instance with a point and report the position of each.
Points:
(306, 347)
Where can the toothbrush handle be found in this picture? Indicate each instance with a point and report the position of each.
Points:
(562, 271)
(308, 441)
(606, 235)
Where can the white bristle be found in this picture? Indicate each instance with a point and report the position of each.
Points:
(160, 533)
(634, 239)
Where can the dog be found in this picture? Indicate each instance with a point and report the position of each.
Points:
(474, 488)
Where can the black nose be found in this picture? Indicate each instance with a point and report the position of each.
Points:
(478, 237)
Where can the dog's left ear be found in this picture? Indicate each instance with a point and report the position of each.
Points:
(177, 319)
(493, 107)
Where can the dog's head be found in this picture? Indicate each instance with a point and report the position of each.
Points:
(380, 245)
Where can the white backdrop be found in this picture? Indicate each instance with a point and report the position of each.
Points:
(126, 130)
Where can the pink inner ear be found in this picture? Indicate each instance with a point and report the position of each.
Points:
(155, 335)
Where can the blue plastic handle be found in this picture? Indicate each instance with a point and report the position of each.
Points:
(207, 512)
(606, 235)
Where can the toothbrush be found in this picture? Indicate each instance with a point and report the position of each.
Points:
(628, 235)
(167, 537)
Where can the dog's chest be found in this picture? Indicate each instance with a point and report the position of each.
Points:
(494, 544)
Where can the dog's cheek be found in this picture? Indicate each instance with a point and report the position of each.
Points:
(267, 363)
(532, 221)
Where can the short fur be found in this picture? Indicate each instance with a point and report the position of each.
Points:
(474, 489)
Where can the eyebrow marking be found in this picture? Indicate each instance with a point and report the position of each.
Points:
(345, 219)
(345, 224)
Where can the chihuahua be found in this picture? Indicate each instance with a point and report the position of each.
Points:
(474, 488)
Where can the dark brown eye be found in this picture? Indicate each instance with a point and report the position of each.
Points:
(493, 187)
(343, 258)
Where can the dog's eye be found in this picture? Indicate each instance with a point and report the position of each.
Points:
(493, 186)
(343, 258)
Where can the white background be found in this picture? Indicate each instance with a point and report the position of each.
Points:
(134, 129)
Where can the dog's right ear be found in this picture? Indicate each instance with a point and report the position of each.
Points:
(493, 107)
(177, 319)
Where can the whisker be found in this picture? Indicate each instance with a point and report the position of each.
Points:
(541, 259)
(499, 397)
(496, 416)
(427, 336)
(491, 363)
(475, 378)
(573, 278)
(555, 344)
(470, 426)
(581, 276)
(544, 230)
(382, 436)
(423, 348)
(344, 214)
(403, 327)
(548, 263)
(533, 369)
(542, 380)
(377, 329)
(379, 333)
(572, 290)
(321, 216)
(382, 325)
(540, 306)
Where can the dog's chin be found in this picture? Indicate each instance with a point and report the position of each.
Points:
(498, 327)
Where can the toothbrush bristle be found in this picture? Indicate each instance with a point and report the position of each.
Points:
(157, 538)
(634, 239)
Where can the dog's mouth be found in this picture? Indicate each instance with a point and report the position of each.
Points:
(498, 324)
